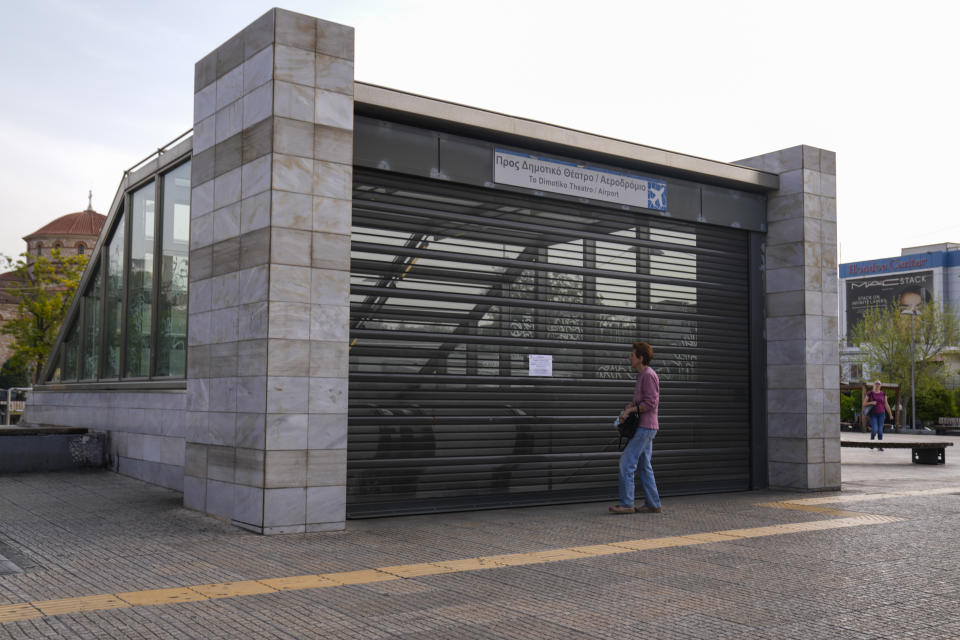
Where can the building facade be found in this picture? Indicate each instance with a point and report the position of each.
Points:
(72, 234)
(9, 310)
(918, 276)
(353, 301)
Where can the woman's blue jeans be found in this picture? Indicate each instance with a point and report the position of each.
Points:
(876, 425)
(636, 457)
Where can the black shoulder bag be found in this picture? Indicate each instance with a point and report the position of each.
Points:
(627, 428)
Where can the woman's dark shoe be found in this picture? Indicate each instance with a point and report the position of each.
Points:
(646, 509)
(618, 509)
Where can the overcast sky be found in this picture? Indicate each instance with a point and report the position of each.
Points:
(90, 88)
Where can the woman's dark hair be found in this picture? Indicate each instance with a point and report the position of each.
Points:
(644, 352)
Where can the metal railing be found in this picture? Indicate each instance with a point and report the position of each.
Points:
(159, 152)
(11, 406)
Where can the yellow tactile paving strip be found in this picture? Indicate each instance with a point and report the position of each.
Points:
(868, 497)
(800, 506)
(843, 518)
(83, 603)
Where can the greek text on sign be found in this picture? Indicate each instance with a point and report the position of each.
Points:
(557, 176)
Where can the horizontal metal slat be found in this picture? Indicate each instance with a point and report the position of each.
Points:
(432, 309)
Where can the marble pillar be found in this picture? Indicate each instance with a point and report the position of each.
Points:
(269, 276)
(801, 305)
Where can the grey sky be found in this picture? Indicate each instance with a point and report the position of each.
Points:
(90, 88)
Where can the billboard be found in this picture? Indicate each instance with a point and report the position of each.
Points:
(908, 290)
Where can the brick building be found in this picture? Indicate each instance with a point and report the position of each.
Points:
(74, 234)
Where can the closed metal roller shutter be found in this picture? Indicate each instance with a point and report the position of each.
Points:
(454, 288)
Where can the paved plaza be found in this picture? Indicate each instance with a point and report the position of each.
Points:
(98, 555)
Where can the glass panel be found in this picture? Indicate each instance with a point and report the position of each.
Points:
(91, 329)
(114, 300)
(174, 271)
(674, 264)
(70, 351)
(564, 325)
(140, 283)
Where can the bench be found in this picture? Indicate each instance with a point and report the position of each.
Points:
(946, 425)
(923, 452)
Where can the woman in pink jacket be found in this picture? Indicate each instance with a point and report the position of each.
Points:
(637, 453)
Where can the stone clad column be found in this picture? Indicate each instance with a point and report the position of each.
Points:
(801, 299)
(269, 276)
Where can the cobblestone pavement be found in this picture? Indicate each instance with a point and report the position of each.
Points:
(877, 560)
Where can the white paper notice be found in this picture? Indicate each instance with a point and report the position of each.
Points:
(541, 365)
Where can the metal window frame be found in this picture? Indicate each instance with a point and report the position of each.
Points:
(158, 186)
(125, 281)
(154, 181)
(62, 352)
(165, 159)
(161, 182)
(82, 321)
(105, 260)
(82, 312)
(101, 335)
(158, 180)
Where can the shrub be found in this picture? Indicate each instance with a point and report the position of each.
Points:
(13, 375)
(849, 406)
(934, 402)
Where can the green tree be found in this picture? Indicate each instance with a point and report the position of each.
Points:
(934, 403)
(44, 288)
(13, 374)
(884, 338)
(850, 405)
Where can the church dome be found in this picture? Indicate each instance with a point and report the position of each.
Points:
(81, 223)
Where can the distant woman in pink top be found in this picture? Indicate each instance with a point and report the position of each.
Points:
(636, 455)
(876, 401)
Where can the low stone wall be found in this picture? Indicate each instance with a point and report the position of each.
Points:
(144, 429)
(26, 450)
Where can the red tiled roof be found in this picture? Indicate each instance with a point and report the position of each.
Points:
(81, 223)
(9, 280)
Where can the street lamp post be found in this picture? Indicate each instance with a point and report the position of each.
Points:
(913, 387)
(913, 390)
